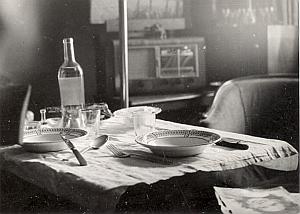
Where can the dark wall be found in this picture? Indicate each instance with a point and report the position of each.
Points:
(33, 31)
(231, 51)
(240, 49)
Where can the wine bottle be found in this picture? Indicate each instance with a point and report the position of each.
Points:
(71, 86)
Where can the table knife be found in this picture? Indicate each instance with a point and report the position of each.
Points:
(232, 144)
(77, 154)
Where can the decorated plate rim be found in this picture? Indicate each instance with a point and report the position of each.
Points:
(75, 132)
(176, 133)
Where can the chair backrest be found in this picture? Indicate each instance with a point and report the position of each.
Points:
(14, 101)
(261, 105)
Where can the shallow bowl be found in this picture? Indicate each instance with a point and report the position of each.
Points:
(178, 143)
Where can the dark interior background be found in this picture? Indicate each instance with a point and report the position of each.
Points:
(35, 52)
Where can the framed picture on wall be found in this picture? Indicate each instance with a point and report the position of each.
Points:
(170, 14)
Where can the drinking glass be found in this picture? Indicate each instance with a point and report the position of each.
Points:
(143, 122)
(90, 120)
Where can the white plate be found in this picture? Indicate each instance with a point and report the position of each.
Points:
(178, 143)
(48, 139)
(127, 113)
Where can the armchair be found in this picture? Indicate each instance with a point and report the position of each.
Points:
(261, 105)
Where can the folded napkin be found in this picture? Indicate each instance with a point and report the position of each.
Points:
(256, 201)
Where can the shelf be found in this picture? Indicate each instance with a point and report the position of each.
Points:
(152, 99)
(140, 24)
(179, 41)
(167, 102)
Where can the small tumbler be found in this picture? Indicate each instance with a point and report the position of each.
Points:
(90, 120)
(143, 122)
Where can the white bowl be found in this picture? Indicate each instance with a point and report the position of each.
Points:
(127, 113)
(178, 143)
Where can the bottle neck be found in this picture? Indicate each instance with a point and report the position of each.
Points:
(69, 55)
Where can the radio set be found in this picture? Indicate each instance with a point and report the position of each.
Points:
(158, 66)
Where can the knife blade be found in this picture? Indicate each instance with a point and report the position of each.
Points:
(77, 154)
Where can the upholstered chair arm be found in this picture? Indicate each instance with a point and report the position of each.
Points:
(227, 111)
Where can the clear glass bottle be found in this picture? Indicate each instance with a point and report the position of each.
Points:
(71, 86)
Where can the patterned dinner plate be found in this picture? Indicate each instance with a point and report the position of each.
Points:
(48, 139)
(178, 143)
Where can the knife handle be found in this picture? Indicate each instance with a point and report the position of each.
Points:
(79, 157)
(232, 145)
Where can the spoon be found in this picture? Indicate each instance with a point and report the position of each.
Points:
(97, 143)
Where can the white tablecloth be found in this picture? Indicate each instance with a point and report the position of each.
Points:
(105, 177)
